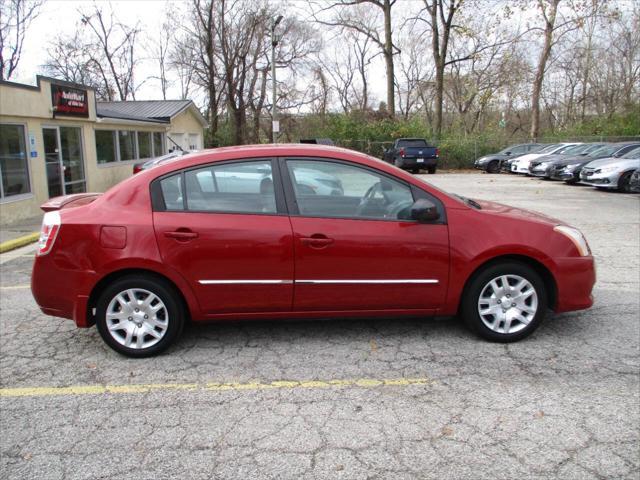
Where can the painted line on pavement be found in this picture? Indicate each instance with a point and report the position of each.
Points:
(19, 242)
(15, 287)
(208, 387)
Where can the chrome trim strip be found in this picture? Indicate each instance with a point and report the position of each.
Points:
(428, 280)
(316, 282)
(245, 282)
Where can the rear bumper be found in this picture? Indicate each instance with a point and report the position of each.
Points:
(575, 278)
(408, 163)
(60, 292)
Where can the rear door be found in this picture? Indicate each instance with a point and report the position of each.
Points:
(355, 245)
(224, 228)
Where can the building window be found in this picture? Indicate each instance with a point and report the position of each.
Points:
(106, 146)
(14, 168)
(127, 142)
(158, 144)
(144, 145)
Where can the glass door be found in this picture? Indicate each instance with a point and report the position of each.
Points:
(52, 162)
(64, 160)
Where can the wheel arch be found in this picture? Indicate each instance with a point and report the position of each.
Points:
(117, 274)
(537, 266)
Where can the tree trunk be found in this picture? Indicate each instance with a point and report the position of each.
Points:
(550, 21)
(388, 58)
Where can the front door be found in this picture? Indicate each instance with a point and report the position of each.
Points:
(356, 247)
(229, 236)
(64, 160)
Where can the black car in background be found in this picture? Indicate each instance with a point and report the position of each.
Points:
(491, 163)
(412, 154)
(543, 166)
(569, 169)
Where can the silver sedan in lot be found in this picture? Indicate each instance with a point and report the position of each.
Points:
(611, 173)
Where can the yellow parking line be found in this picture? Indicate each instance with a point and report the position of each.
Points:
(212, 386)
(15, 287)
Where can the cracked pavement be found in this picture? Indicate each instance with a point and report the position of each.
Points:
(563, 403)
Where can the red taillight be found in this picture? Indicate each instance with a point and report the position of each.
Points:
(402, 152)
(437, 152)
(137, 169)
(49, 232)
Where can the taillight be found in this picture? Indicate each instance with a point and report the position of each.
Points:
(402, 152)
(437, 152)
(50, 228)
(137, 169)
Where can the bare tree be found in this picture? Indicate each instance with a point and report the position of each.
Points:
(15, 18)
(161, 48)
(358, 19)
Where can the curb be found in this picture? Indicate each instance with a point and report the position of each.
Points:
(19, 242)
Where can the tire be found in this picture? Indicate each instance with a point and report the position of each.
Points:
(624, 183)
(493, 167)
(164, 315)
(531, 305)
(431, 170)
(415, 171)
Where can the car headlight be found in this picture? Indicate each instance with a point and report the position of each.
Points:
(571, 166)
(576, 237)
(543, 165)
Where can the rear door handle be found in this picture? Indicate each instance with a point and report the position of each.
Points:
(317, 241)
(181, 235)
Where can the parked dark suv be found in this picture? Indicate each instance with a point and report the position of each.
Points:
(491, 163)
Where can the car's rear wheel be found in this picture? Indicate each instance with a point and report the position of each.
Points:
(505, 302)
(493, 167)
(624, 184)
(139, 316)
(431, 169)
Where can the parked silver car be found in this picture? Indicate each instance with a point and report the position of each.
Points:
(611, 173)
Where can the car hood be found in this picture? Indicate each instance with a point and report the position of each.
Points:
(492, 156)
(612, 160)
(517, 213)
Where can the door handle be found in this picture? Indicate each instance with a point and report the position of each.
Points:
(181, 235)
(317, 241)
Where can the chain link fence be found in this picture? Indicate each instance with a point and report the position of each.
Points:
(460, 152)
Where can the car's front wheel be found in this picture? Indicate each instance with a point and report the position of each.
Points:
(624, 184)
(505, 302)
(139, 316)
(493, 167)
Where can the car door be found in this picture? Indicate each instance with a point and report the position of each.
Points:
(356, 247)
(224, 227)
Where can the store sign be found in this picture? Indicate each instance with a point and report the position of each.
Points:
(69, 101)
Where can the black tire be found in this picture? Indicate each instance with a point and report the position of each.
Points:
(624, 185)
(431, 170)
(159, 287)
(415, 171)
(493, 167)
(470, 301)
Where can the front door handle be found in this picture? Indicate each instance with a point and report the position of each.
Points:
(317, 240)
(181, 235)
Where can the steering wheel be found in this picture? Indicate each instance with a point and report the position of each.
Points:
(368, 196)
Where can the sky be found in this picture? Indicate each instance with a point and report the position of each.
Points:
(61, 17)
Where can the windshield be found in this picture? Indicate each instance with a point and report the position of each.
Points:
(604, 151)
(549, 149)
(635, 153)
(577, 149)
(565, 148)
(416, 143)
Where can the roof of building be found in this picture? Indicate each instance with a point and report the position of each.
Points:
(149, 110)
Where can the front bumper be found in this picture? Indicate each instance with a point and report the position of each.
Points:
(604, 180)
(520, 168)
(540, 172)
(575, 278)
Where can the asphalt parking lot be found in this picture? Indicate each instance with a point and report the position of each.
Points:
(396, 399)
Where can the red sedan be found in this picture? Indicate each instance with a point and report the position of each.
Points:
(297, 231)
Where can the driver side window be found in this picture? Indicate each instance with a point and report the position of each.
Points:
(338, 190)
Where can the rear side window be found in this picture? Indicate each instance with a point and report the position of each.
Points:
(242, 187)
(172, 192)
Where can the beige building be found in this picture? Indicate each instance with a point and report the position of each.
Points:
(55, 139)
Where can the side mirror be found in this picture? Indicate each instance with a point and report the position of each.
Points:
(507, 153)
(424, 210)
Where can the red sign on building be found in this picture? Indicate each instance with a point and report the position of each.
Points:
(69, 101)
